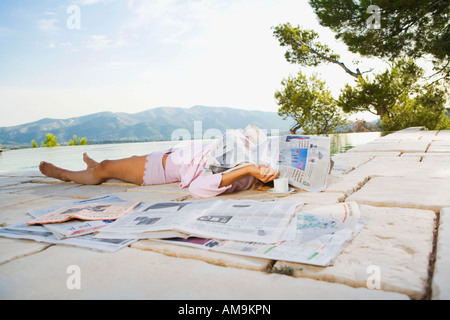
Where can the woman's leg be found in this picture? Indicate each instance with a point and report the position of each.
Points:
(129, 170)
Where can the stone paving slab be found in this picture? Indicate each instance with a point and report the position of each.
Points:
(346, 184)
(147, 197)
(45, 180)
(443, 142)
(405, 192)
(48, 190)
(8, 199)
(255, 194)
(413, 135)
(424, 155)
(402, 168)
(75, 191)
(402, 146)
(216, 258)
(443, 135)
(439, 148)
(27, 174)
(20, 187)
(445, 157)
(345, 162)
(412, 158)
(11, 249)
(12, 181)
(138, 274)
(397, 241)
(166, 188)
(441, 277)
(322, 198)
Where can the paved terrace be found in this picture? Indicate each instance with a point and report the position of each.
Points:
(401, 181)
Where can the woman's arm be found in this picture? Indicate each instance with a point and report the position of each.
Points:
(261, 172)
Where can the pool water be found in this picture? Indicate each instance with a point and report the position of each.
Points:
(72, 157)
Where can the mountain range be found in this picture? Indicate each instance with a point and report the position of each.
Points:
(156, 124)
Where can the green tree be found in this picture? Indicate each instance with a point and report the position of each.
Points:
(34, 144)
(395, 95)
(398, 97)
(310, 104)
(51, 141)
(360, 125)
(77, 141)
(413, 28)
(303, 47)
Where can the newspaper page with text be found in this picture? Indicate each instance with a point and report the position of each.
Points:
(76, 233)
(90, 212)
(245, 220)
(320, 235)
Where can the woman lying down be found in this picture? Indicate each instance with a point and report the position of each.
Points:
(188, 165)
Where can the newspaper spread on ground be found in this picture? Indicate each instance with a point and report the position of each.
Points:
(76, 228)
(320, 236)
(304, 160)
(41, 234)
(87, 211)
(83, 232)
(244, 220)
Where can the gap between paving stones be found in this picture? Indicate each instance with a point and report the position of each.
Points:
(27, 254)
(432, 259)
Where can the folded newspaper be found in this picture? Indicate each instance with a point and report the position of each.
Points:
(244, 220)
(304, 160)
(76, 233)
(88, 212)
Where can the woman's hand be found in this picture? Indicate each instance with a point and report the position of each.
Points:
(263, 173)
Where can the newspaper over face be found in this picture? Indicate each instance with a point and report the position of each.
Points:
(304, 160)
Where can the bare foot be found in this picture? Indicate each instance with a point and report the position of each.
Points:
(52, 171)
(91, 163)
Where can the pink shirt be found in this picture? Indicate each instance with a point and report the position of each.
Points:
(188, 166)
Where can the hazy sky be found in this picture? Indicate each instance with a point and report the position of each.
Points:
(61, 59)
